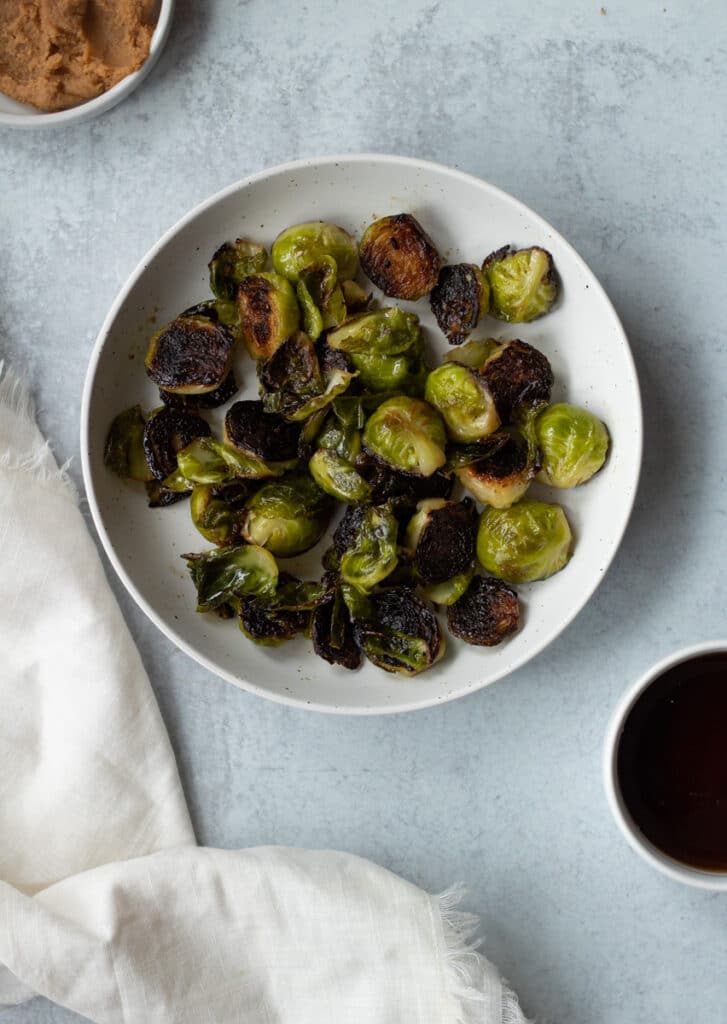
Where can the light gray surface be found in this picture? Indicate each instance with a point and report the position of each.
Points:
(613, 127)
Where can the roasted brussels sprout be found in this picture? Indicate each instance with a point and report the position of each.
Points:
(459, 299)
(292, 383)
(519, 376)
(357, 298)
(124, 449)
(166, 433)
(341, 431)
(161, 496)
(367, 546)
(337, 477)
(450, 590)
(407, 434)
(301, 245)
(226, 574)
(487, 612)
(465, 401)
(268, 625)
(207, 400)
(530, 541)
(573, 444)
(190, 356)
(399, 257)
(207, 461)
(320, 297)
(381, 332)
(269, 313)
(232, 262)
(215, 510)
(403, 374)
(440, 538)
(523, 285)
(404, 491)
(252, 430)
(473, 353)
(502, 477)
(287, 516)
(401, 634)
(333, 635)
(295, 595)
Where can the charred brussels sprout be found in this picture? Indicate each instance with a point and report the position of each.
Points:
(523, 285)
(333, 635)
(224, 575)
(405, 491)
(573, 445)
(268, 625)
(502, 477)
(250, 429)
(124, 449)
(207, 461)
(232, 262)
(292, 382)
(530, 541)
(401, 634)
(216, 508)
(465, 401)
(269, 313)
(486, 614)
(190, 356)
(399, 257)
(208, 400)
(519, 376)
(320, 297)
(287, 516)
(440, 538)
(165, 434)
(459, 299)
(367, 546)
(337, 477)
(301, 245)
(473, 353)
(407, 434)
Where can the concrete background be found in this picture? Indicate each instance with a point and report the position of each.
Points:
(609, 122)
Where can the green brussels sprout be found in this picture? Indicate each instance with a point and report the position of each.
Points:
(269, 313)
(320, 297)
(356, 297)
(225, 574)
(124, 449)
(337, 477)
(440, 538)
(215, 510)
(287, 516)
(232, 262)
(450, 590)
(369, 550)
(207, 461)
(473, 353)
(503, 476)
(382, 332)
(407, 434)
(523, 285)
(399, 257)
(401, 633)
(464, 400)
(190, 356)
(405, 374)
(573, 444)
(292, 384)
(520, 379)
(487, 613)
(460, 298)
(341, 431)
(529, 541)
(303, 244)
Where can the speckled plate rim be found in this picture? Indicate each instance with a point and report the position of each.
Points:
(291, 168)
(28, 120)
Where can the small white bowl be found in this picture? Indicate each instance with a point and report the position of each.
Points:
(701, 878)
(22, 115)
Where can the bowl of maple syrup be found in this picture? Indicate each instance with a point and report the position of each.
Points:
(665, 766)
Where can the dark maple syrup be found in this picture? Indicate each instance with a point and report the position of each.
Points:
(672, 762)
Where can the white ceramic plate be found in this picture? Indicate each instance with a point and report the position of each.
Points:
(467, 218)
(22, 115)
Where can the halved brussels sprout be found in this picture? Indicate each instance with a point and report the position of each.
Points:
(207, 461)
(190, 356)
(440, 538)
(459, 299)
(269, 313)
(464, 400)
(473, 353)
(357, 298)
(399, 257)
(367, 546)
(268, 625)
(320, 297)
(226, 574)
(523, 285)
(303, 244)
(207, 400)
(124, 449)
(488, 612)
(405, 374)
(287, 516)
(232, 262)
(573, 444)
(161, 496)
(451, 590)
(402, 633)
(337, 477)
(252, 430)
(384, 332)
(502, 477)
(341, 431)
(216, 508)
(166, 433)
(407, 434)
(404, 491)
(332, 633)
(520, 377)
(292, 383)
(295, 595)
(530, 541)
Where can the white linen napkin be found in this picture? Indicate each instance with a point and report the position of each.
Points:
(107, 906)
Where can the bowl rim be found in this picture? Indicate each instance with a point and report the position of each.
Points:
(244, 183)
(701, 878)
(107, 100)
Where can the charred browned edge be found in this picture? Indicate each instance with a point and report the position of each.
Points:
(191, 352)
(165, 434)
(487, 612)
(293, 365)
(348, 654)
(404, 490)
(330, 359)
(456, 301)
(208, 400)
(251, 429)
(447, 543)
(400, 610)
(509, 460)
(519, 374)
(399, 257)
(497, 255)
(258, 318)
(262, 622)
